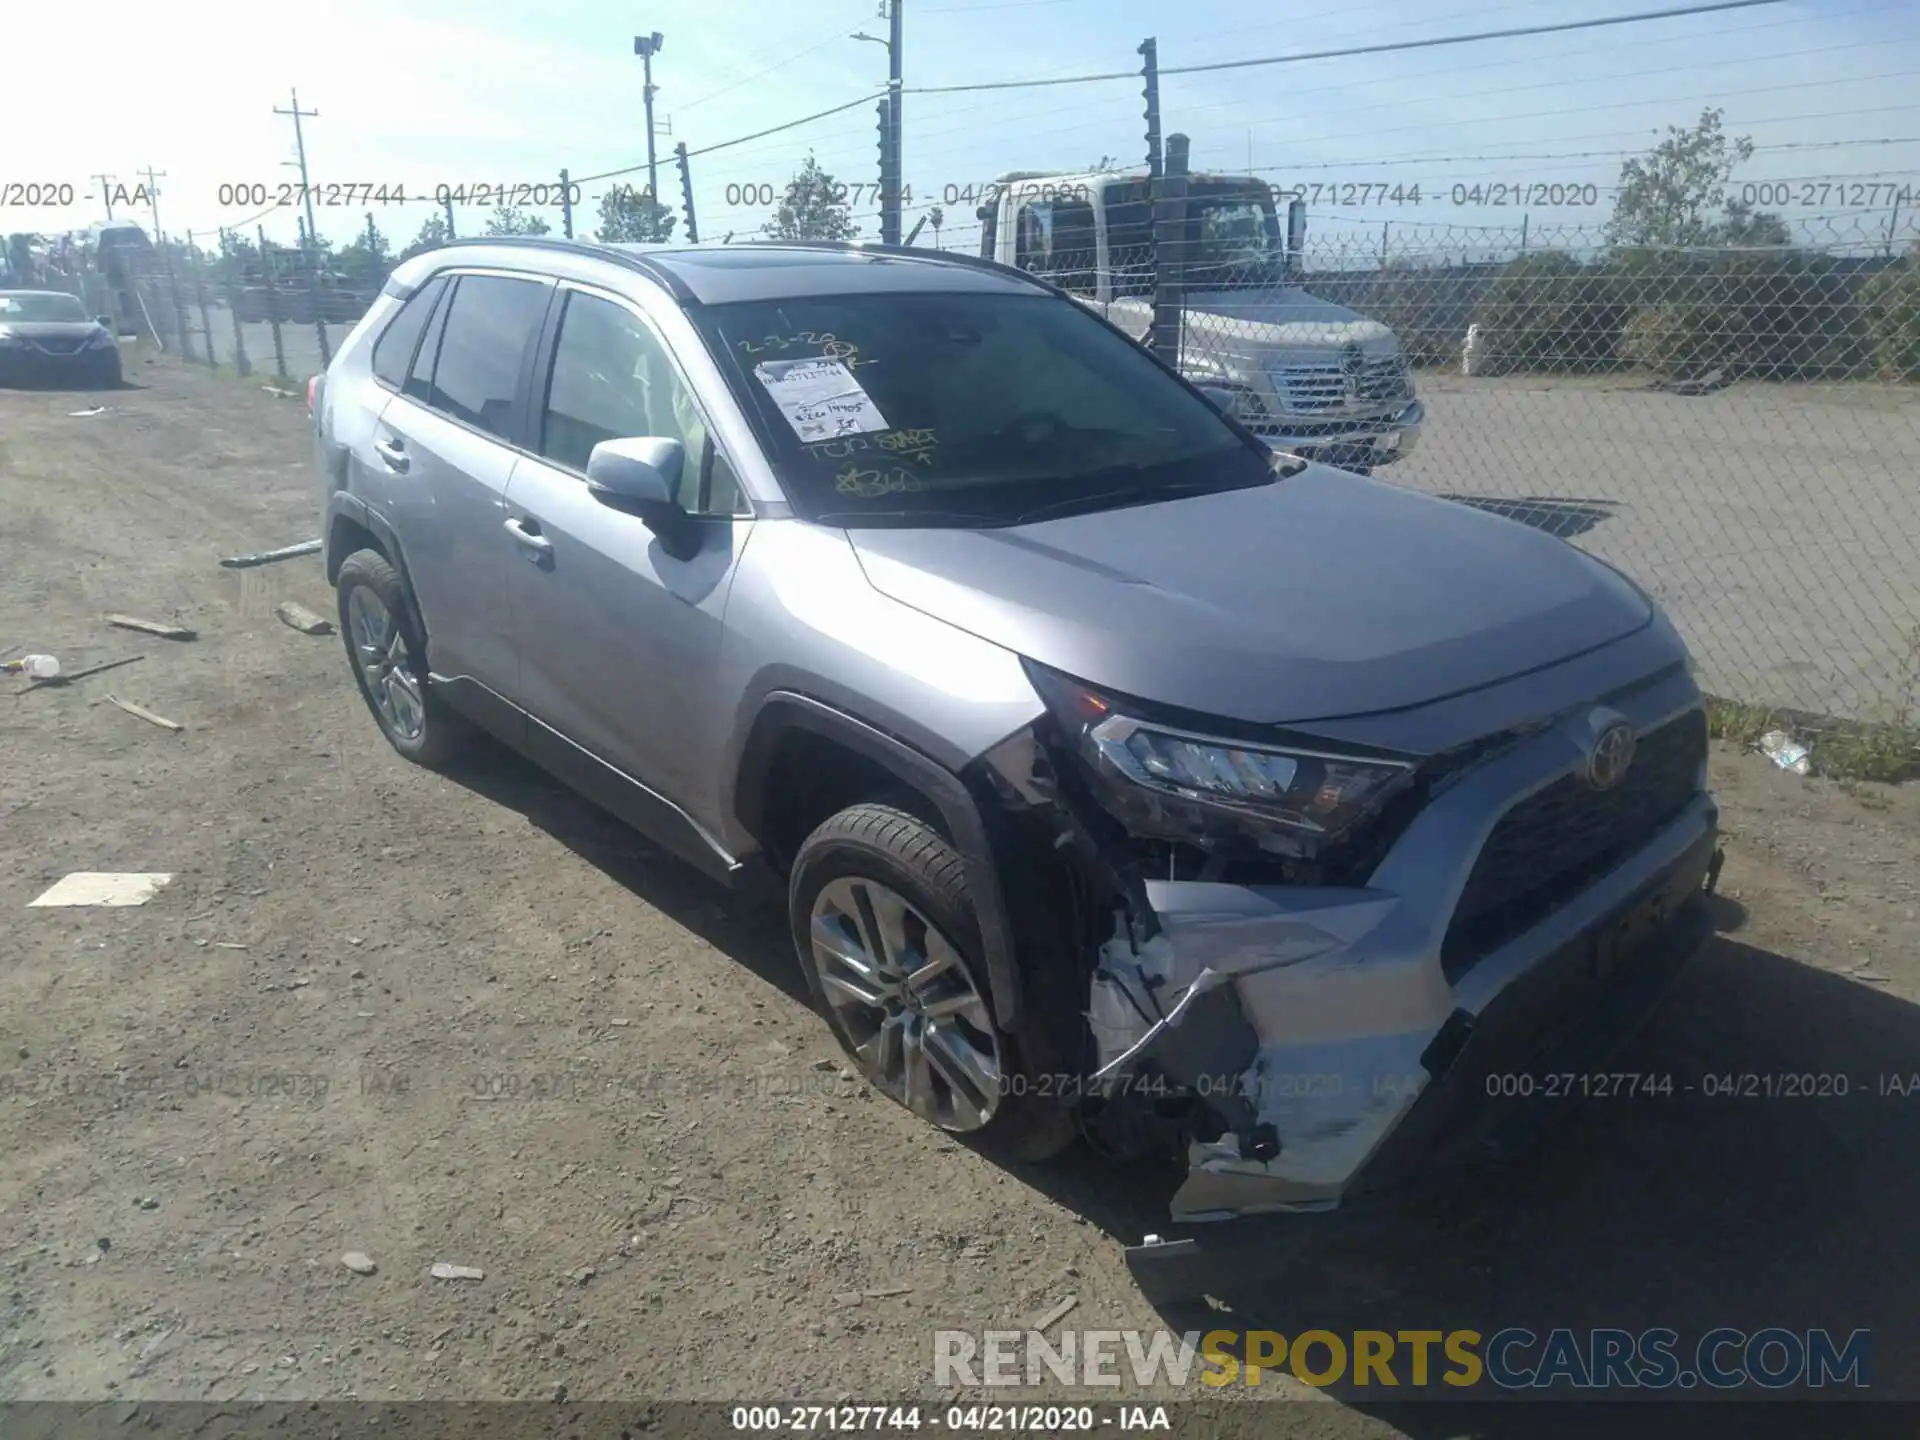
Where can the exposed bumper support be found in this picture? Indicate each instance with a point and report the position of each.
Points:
(1559, 1017)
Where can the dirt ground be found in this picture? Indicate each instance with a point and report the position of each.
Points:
(468, 1020)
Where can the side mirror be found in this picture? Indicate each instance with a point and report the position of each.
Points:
(642, 473)
(104, 321)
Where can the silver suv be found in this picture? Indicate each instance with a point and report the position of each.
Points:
(1122, 777)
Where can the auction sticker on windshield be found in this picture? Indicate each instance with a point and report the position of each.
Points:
(820, 398)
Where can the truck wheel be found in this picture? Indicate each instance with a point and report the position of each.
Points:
(389, 655)
(886, 935)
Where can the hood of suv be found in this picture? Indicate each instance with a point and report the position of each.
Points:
(1318, 596)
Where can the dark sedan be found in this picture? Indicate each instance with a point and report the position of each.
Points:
(47, 337)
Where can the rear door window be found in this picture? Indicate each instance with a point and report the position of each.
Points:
(483, 349)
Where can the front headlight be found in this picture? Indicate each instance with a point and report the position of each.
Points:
(102, 341)
(1165, 783)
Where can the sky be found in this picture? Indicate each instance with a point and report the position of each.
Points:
(413, 95)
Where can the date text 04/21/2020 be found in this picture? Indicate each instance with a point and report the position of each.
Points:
(282, 194)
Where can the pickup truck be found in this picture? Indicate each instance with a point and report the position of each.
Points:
(1310, 377)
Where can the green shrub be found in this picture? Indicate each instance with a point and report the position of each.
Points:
(1678, 341)
(1551, 312)
(1763, 314)
(1890, 316)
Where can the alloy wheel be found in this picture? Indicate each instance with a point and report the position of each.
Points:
(903, 996)
(380, 650)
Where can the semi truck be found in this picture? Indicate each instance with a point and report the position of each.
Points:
(1309, 376)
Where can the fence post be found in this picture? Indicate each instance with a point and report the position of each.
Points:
(310, 252)
(200, 296)
(241, 365)
(176, 302)
(686, 191)
(566, 206)
(1150, 71)
(273, 304)
(1169, 250)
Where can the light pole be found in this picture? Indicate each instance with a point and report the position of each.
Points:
(890, 171)
(646, 47)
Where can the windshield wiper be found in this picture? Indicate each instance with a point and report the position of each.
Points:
(1134, 494)
(927, 517)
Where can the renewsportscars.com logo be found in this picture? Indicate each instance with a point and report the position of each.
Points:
(1515, 1358)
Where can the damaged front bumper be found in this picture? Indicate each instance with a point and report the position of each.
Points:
(1334, 1051)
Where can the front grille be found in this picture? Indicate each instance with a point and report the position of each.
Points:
(1311, 389)
(59, 347)
(1557, 842)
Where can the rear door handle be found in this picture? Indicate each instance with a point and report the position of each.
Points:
(393, 453)
(526, 534)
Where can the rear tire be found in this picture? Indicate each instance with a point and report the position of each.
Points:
(388, 651)
(887, 937)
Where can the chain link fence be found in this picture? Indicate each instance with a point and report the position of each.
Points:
(258, 307)
(1734, 427)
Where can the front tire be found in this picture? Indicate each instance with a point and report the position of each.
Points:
(388, 651)
(886, 934)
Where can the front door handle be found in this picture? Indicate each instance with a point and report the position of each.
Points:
(526, 534)
(393, 453)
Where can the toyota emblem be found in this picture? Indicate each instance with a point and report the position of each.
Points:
(1611, 756)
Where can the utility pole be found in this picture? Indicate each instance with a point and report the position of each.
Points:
(686, 191)
(449, 204)
(106, 192)
(300, 147)
(646, 47)
(566, 206)
(153, 196)
(890, 204)
(890, 171)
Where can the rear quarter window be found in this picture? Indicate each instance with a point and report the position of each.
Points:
(393, 351)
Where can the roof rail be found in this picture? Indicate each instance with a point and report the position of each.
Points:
(913, 252)
(675, 286)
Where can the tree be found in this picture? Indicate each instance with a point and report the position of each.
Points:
(809, 211)
(511, 220)
(1674, 195)
(369, 259)
(432, 236)
(633, 217)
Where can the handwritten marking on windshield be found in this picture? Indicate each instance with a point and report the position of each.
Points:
(831, 347)
(838, 449)
(914, 445)
(871, 484)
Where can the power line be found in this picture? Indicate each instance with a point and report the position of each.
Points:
(740, 140)
(953, 113)
(1391, 46)
(838, 35)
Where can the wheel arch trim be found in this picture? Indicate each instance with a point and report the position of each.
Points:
(784, 711)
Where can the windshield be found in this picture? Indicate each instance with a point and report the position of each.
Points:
(33, 305)
(966, 409)
(1233, 236)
